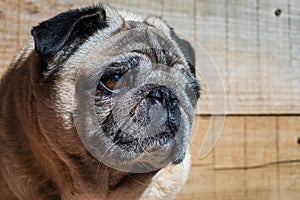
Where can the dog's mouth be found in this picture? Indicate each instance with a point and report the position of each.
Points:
(137, 142)
(147, 149)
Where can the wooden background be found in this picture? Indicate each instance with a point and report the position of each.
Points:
(255, 45)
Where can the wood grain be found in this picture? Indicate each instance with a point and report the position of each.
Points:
(255, 51)
(9, 31)
(257, 157)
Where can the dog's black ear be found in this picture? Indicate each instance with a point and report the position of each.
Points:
(72, 26)
(187, 50)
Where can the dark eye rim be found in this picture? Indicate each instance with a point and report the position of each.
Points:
(108, 89)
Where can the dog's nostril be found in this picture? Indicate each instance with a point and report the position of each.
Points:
(172, 95)
(164, 96)
(174, 121)
(156, 93)
(174, 103)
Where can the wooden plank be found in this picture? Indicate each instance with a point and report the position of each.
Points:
(230, 149)
(254, 183)
(289, 157)
(231, 184)
(261, 141)
(289, 134)
(142, 7)
(9, 30)
(289, 179)
(255, 51)
(253, 61)
(200, 185)
(210, 40)
(241, 53)
(293, 13)
(255, 158)
(262, 183)
(273, 71)
(199, 131)
(181, 17)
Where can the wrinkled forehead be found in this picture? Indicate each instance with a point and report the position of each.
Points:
(142, 39)
(146, 40)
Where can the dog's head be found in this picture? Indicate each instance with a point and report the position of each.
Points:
(126, 84)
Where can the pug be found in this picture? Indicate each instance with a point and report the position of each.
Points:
(98, 106)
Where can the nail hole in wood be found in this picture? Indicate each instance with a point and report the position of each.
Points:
(298, 141)
(278, 12)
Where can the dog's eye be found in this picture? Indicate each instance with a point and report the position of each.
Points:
(115, 82)
(111, 81)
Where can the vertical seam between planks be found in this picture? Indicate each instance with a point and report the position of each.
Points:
(245, 156)
(226, 43)
(277, 157)
(19, 28)
(162, 7)
(290, 47)
(258, 45)
(214, 165)
(194, 22)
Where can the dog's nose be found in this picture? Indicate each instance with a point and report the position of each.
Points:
(166, 98)
(163, 96)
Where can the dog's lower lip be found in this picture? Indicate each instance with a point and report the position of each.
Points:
(158, 143)
(176, 162)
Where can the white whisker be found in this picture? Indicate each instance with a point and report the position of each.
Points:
(108, 149)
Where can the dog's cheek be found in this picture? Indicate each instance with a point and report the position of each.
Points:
(64, 103)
